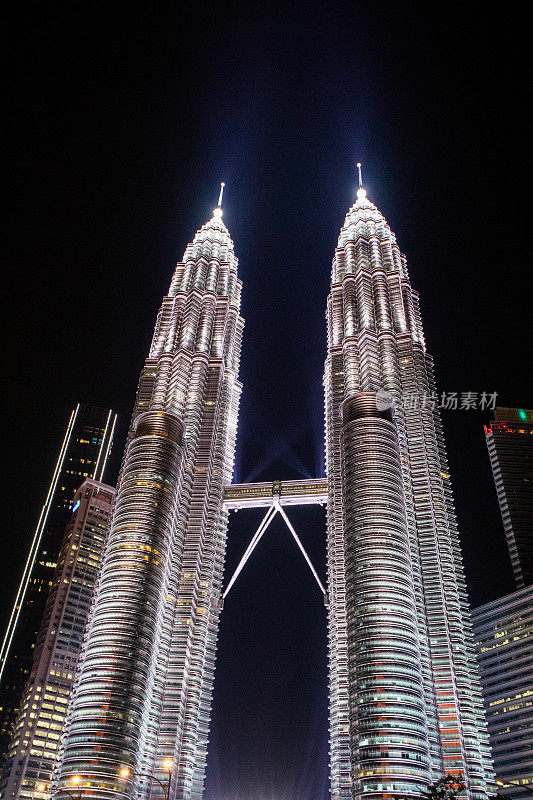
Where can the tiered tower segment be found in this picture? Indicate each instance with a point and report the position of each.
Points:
(405, 703)
(143, 694)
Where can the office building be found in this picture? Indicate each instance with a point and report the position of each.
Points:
(503, 633)
(83, 454)
(510, 444)
(143, 694)
(40, 721)
(405, 699)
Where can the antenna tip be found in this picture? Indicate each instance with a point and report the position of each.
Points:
(359, 174)
(222, 184)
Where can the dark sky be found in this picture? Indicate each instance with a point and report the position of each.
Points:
(120, 126)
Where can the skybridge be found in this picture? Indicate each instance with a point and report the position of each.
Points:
(286, 493)
(275, 496)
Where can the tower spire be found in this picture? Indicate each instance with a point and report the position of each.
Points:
(218, 210)
(361, 192)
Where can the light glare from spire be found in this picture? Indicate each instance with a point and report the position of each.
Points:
(218, 210)
(361, 193)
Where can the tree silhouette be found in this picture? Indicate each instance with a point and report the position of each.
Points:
(446, 788)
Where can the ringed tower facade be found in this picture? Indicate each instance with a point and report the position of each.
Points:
(405, 701)
(142, 699)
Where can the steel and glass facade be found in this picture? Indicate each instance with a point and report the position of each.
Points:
(143, 693)
(40, 721)
(83, 454)
(503, 633)
(405, 700)
(510, 445)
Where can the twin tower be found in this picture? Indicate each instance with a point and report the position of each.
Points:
(405, 704)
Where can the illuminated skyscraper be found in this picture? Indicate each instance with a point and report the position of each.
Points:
(143, 694)
(503, 633)
(510, 445)
(83, 454)
(35, 742)
(405, 702)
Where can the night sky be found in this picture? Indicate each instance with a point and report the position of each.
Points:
(120, 127)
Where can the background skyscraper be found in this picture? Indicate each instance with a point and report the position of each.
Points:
(143, 694)
(503, 633)
(405, 702)
(503, 628)
(40, 721)
(510, 444)
(83, 454)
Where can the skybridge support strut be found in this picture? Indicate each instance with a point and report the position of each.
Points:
(281, 510)
(273, 509)
(267, 519)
